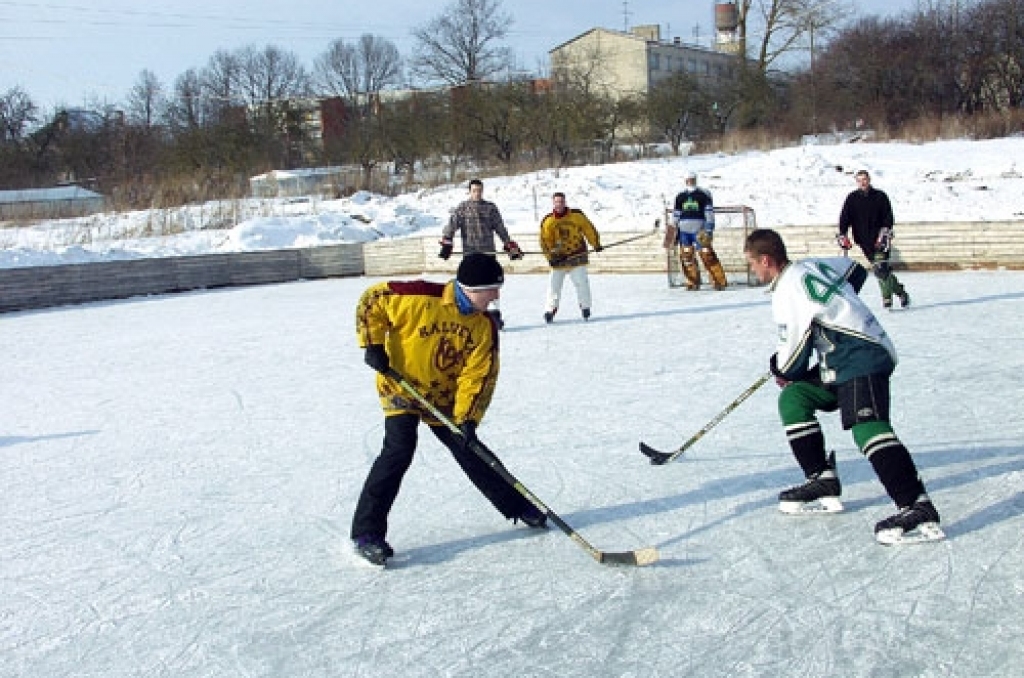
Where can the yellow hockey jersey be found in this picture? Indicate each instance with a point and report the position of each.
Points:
(563, 239)
(451, 358)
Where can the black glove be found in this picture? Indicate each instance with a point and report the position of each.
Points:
(446, 248)
(377, 358)
(884, 241)
(468, 429)
(843, 241)
(514, 252)
(598, 248)
(773, 365)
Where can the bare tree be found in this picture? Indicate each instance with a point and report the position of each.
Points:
(185, 107)
(678, 108)
(269, 75)
(412, 128)
(874, 71)
(1002, 29)
(359, 72)
(588, 69)
(219, 80)
(462, 45)
(145, 100)
(16, 112)
(784, 25)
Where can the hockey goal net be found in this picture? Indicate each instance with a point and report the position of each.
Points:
(732, 224)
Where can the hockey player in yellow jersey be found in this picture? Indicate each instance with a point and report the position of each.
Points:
(564, 235)
(441, 340)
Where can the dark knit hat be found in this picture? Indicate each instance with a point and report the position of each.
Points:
(480, 272)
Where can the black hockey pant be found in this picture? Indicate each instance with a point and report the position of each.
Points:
(381, 486)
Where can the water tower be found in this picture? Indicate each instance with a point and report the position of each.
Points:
(727, 34)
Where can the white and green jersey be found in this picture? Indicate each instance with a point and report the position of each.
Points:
(816, 308)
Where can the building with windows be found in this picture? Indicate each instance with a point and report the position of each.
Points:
(624, 64)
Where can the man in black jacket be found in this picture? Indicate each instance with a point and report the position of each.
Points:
(868, 212)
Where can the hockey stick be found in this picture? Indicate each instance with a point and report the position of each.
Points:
(461, 253)
(639, 557)
(658, 458)
(635, 237)
(614, 244)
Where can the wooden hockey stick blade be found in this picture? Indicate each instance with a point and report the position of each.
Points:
(638, 558)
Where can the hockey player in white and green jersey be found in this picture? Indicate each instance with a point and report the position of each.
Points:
(819, 315)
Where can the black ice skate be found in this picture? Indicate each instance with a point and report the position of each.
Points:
(373, 549)
(820, 494)
(911, 525)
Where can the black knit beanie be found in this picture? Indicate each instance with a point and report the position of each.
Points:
(480, 272)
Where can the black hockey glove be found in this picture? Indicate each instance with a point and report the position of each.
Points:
(884, 241)
(598, 247)
(773, 365)
(843, 241)
(377, 358)
(446, 248)
(514, 252)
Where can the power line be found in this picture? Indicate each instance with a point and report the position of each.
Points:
(149, 14)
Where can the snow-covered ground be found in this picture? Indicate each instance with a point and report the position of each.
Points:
(179, 474)
(940, 181)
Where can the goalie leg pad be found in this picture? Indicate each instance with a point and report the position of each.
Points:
(714, 266)
(687, 257)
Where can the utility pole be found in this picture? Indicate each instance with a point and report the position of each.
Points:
(625, 16)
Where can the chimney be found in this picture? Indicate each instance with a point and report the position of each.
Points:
(650, 32)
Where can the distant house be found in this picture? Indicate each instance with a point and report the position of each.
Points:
(50, 203)
(321, 181)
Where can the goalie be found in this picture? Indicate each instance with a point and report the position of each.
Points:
(692, 227)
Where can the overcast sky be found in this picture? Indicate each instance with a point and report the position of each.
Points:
(74, 52)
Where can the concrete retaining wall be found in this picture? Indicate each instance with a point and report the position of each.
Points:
(921, 246)
(38, 287)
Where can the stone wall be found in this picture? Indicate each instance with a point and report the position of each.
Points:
(920, 246)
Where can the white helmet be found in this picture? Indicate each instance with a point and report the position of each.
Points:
(690, 174)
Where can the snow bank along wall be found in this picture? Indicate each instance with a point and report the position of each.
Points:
(921, 246)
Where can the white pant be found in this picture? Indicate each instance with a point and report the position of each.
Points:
(580, 281)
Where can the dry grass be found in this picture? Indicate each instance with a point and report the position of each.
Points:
(982, 126)
(168, 197)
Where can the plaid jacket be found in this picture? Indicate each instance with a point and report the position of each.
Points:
(478, 221)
